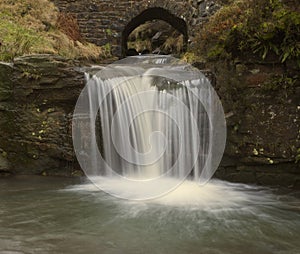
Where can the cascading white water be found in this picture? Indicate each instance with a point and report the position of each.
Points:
(154, 118)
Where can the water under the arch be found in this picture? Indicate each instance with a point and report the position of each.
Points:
(155, 120)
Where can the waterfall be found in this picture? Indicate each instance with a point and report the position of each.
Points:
(153, 118)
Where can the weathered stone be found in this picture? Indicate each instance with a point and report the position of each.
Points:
(35, 124)
(96, 16)
(36, 120)
(3, 163)
(281, 175)
(5, 82)
(263, 132)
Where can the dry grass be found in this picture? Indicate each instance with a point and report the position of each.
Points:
(67, 23)
(170, 40)
(36, 26)
(173, 43)
(140, 45)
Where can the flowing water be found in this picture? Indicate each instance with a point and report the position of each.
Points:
(157, 122)
(58, 215)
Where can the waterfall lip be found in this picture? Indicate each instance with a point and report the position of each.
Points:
(122, 75)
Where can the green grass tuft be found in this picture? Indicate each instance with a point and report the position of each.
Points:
(37, 27)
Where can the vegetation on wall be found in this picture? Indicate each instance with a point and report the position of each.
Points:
(263, 28)
(36, 26)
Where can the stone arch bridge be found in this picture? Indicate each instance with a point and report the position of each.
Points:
(110, 21)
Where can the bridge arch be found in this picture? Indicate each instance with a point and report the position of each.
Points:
(110, 22)
(154, 13)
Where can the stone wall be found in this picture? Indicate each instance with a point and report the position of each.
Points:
(262, 103)
(104, 21)
(38, 94)
(37, 97)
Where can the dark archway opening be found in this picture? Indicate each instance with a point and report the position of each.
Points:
(157, 37)
(155, 14)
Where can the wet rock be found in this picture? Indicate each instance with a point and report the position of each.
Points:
(35, 119)
(6, 84)
(38, 95)
(3, 163)
(263, 131)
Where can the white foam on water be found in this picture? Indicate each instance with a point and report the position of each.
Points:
(156, 120)
(213, 195)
